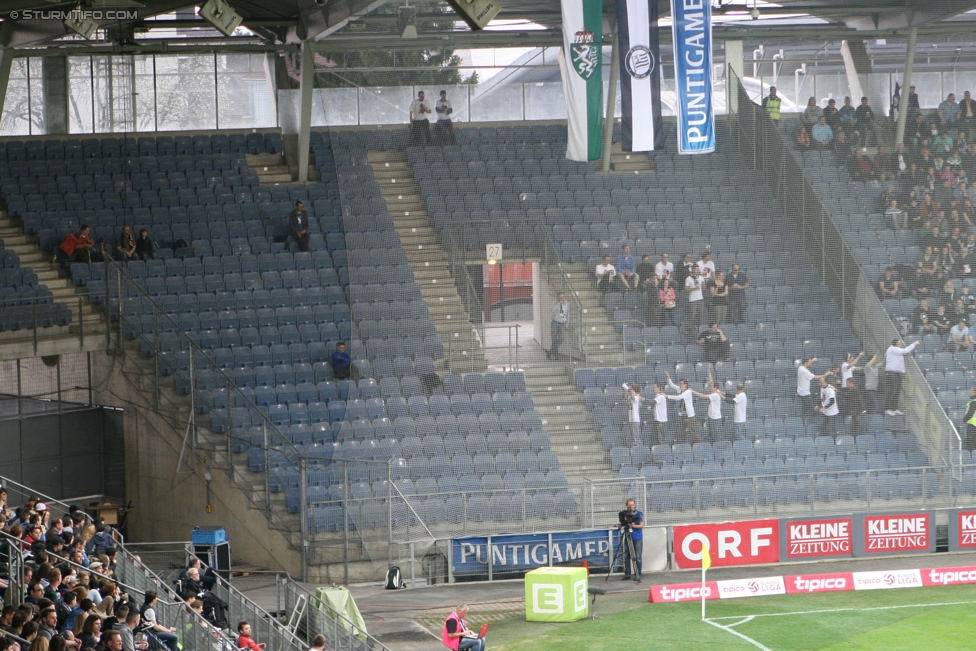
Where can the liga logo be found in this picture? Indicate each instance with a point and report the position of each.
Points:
(639, 62)
(887, 580)
(751, 587)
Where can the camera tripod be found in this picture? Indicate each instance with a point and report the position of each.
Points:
(625, 539)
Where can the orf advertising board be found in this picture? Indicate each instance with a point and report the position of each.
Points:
(804, 539)
(881, 534)
(730, 543)
(962, 530)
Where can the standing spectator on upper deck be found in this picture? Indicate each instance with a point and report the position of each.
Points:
(645, 273)
(967, 112)
(831, 115)
(444, 129)
(420, 111)
(912, 106)
(664, 268)
(845, 114)
(772, 104)
(738, 284)
(864, 117)
(948, 111)
(811, 114)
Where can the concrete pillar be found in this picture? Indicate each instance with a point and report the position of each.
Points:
(733, 69)
(906, 82)
(305, 111)
(55, 76)
(853, 81)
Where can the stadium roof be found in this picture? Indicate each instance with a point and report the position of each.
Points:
(173, 25)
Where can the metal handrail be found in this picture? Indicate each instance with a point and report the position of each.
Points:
(6, 482)
(859, 303)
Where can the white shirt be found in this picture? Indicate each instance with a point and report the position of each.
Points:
(714, 406)
(443, 107)
(419, 110)
(846, 373)
(660, 408)
(696, 284)
(828, 396)
(664, 270)
(707, 269)
(687, 396)
(895, 358)
(602, 269)
(634, 415)
(803, 377)
(871, 377)
(741, 401)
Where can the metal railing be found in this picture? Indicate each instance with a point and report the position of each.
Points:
(234, 418)
(779, 495)
(135, 580)
(38, 318)
(765, 148)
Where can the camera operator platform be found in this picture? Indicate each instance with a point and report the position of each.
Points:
(631, 545)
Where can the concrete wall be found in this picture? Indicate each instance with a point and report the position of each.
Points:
(169, 504)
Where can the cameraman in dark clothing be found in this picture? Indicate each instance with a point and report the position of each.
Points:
(632, 521)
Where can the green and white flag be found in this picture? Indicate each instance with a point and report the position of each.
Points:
(581, 67)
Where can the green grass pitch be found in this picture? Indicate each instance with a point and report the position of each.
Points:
(942, 618)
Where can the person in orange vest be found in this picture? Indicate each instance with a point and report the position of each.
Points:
(456, 634)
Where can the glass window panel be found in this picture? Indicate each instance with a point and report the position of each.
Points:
(185, 93)
(16, 109)
(545, 101)
(879, 91)
(387, 105)
(497, 103)
(928, 85)
(80, 95)
(113, 93)
(827, 85)
(333, 107)
(245, 89)
(288, 103)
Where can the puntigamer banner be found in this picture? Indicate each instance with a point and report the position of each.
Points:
(692, 33)
(514, 555)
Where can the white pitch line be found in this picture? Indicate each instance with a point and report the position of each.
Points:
(744, 621)
(842, 610)
(739, 635)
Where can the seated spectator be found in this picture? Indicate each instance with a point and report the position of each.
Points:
(822, 134)
(605, 274)
(958, 311)
(145, 247)
(125, 248)
(830, 115)
(76, 247)
(954, 161)
(896, 215)
(959, 338)
(803, 138)
(101, 252)
(967, 112)
(841, 145)
(341, 362)
(627, 268)
(943, 143)
(715, 344)
(645, 273)
(244, 640)
(968, 301)
(298, 226)
(901, 160)
(888, 285)
(941, 321)
(860, 167)
(811, 114)
(884, 165)
(921, 319)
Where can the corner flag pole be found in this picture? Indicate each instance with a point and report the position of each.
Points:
(706, 563)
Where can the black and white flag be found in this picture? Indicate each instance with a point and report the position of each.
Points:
(640, 88)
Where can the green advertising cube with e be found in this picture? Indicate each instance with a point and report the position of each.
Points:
(556, 594)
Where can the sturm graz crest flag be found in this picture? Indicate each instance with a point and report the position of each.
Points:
(640, 87)
(581, 68)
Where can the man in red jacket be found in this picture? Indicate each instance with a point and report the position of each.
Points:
(244, 640)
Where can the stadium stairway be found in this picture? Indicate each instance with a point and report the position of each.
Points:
(603, 344)
(60, 338)
(427, 258)
(627, 162)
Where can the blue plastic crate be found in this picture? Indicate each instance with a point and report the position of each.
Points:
(208, 536)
